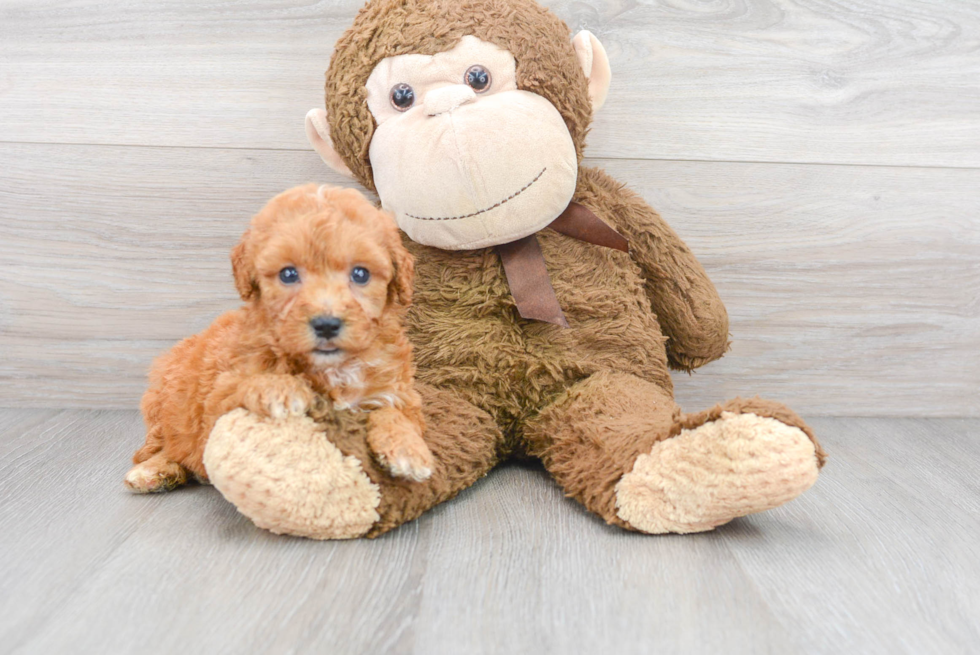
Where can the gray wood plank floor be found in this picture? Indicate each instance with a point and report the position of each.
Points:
(881, 556)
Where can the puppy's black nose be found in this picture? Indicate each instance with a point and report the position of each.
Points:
(326, 327)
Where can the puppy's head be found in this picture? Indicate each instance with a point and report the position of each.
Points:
(326, 269)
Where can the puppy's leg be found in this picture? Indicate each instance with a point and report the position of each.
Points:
(395, 438)
(275, 396)
(153, 445)
(156, 473)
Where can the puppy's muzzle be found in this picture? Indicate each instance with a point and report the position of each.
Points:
(326, 327)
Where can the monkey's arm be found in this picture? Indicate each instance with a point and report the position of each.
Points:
(691, 314)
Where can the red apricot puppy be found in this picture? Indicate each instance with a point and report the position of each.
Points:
(326, 282)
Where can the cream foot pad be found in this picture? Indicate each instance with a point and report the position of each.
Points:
(288, 478)
(702, 478)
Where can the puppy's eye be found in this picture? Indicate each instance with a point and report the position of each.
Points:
(478, 78)
(360, 275)
(289, 275)
(402, 97)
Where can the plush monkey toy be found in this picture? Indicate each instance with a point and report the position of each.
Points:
(549, 300)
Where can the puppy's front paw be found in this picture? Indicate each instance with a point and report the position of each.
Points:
(276, 396)
(406, 456)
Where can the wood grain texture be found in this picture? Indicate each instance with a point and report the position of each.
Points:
(853, 81)
(884, 529)
(852, 290)
(879, 557)
(139, 137)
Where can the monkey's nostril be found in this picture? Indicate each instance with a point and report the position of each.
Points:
(326, 327)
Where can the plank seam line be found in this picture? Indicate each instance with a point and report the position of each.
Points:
(637, 159)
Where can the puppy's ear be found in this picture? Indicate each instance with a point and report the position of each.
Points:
(401, 285)
(243, 270)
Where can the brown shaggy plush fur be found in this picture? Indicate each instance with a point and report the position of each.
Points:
(590, 400)
(464, 441)
(266, 356)
(469, 337)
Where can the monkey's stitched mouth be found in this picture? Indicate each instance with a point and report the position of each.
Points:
(482, 211)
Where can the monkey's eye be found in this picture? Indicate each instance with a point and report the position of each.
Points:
(360, 275)
(402, 97)
(289, 275)
(478, 78)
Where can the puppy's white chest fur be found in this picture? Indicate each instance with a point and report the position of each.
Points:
(347, 375)
(347, 389)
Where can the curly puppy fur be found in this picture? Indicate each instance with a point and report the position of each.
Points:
(269, 357)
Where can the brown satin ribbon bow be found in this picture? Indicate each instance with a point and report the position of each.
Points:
(525, 268)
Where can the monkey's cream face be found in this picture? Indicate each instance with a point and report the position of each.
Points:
(461, 156)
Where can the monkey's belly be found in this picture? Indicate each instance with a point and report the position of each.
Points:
(469, 338)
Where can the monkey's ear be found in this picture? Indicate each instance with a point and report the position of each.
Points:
(592, 57)
(243, 269)
(318, 132)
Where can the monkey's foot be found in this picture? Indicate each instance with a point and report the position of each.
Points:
(287, 477)
(706, 476)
